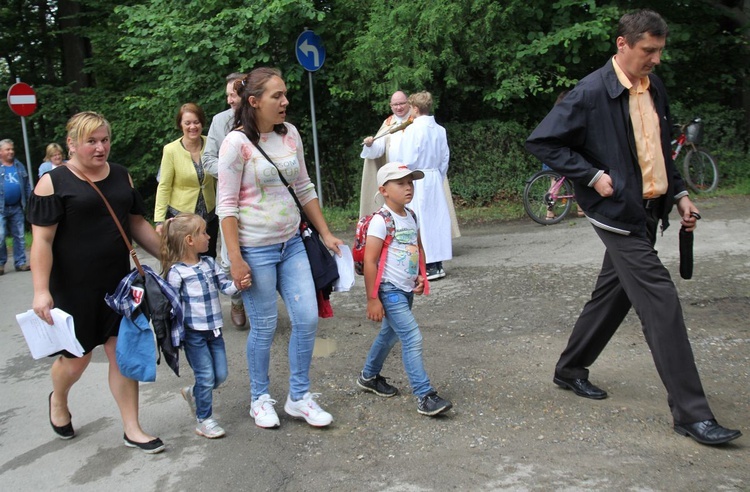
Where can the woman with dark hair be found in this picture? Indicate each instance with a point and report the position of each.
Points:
(260, 221)
(184, 186)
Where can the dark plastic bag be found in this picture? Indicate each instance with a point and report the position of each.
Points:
(322, 263)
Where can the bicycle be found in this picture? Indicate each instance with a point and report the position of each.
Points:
(547, 197)
(699, 167)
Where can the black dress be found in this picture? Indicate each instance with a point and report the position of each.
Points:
(89, 257)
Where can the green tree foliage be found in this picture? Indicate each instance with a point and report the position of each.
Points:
(494, 69)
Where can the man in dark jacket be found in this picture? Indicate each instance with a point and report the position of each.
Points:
(611, 137)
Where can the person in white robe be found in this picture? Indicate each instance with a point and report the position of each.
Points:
(376, 151)
(424, 146)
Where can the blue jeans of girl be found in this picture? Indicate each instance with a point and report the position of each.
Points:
(281, 268)
(207, 356)
(399, 324)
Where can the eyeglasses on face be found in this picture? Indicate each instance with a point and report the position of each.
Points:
(396, 105)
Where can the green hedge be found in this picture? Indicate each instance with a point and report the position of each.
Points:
(488, 161)
(725, 137)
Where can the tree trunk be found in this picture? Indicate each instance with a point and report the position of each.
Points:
(75, 48)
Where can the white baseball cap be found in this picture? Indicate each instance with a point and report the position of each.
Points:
(397, 170)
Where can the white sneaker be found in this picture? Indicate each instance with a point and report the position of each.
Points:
(307, 408)
(209, 428)
(263, 412)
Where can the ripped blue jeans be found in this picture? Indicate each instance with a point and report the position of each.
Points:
(281, 268)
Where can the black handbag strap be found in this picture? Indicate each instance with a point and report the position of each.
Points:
(289, 187)
(128, 244)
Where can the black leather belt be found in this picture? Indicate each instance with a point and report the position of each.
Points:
(650, 203)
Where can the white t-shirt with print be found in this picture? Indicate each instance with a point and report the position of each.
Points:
(402, 261)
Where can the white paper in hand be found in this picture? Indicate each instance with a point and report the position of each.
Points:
(44, 339)
(345, 264)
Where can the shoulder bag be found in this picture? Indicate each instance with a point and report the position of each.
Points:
(323, 265)
(137, 350)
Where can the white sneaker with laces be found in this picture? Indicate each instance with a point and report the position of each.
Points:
(263, 412)
(307, 408)
(209, 428)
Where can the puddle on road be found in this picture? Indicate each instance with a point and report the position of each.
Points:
(324, 347)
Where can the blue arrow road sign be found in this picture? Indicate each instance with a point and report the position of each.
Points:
(310, 51)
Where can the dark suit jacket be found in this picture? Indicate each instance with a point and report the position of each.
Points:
(589, 131)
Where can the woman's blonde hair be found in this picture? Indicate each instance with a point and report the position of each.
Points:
(52, 149)
(173, 234)
(423, 102)
(81, 125)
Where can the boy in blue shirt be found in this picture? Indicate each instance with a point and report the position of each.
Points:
(400, 280)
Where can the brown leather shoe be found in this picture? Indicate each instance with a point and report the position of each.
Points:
(23, 268)
(238, 315)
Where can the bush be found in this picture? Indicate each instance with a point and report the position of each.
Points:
(488, 161)
(726, 137)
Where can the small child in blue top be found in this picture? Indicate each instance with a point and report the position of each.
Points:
(198, 280)
(399, 283)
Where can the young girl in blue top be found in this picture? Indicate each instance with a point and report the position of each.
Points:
(198, 280)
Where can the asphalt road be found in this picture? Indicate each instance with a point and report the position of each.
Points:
(493, 329)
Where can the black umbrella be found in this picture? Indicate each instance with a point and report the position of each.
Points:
(686, 251)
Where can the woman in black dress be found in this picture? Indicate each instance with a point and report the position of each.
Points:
(78, 256)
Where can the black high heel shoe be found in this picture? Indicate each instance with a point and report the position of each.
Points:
(63, 431)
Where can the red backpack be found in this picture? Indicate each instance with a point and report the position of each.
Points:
(360, 241)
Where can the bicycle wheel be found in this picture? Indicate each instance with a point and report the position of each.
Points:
(701, 173)
(541, 204)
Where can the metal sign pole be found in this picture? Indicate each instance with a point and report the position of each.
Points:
(315, 140)
(26, 146)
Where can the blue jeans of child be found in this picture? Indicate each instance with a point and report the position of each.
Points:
(399, 324)
(207, 356)
(12, 223)
(281, 268)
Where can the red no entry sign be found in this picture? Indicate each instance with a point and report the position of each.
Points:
(22, 99)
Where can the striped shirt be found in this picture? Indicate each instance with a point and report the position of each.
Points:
(199, 286)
